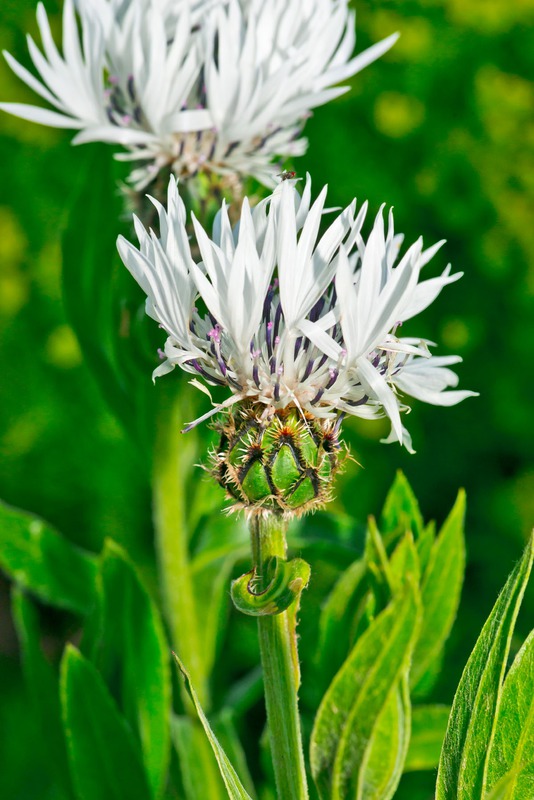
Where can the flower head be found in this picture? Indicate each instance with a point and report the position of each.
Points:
(222, 86)
(287, 317)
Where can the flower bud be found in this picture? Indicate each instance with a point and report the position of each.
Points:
(282, 461)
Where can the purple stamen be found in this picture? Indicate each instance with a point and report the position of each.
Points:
(333, 378)
(308, 370)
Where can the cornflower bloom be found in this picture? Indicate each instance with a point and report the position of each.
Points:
(302, 328)
(222, 86)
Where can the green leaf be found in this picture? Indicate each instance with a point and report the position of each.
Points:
(104, 758)
(440, 593)
(401, 510)
(380, 575)
(348, 714)
(224, 726)
(213, 606)
(429, 724)
(404, 563)
(462, 771)
(234, 787)
(425, 544)
(40, 560)
(507, 784)
(131, 647)
(199, 772)
(513, 745)
(336, 622)
(388, 746)
(42, 682)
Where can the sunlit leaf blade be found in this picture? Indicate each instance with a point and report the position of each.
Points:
(471, 728)
(225, 728)
(130, 647)
(104, 758)
(401, 510)
(234, 787)
(429, 724)
(42, 682)
(42, 561)
(513, 745)
(440, 593)
(383, 765)
(425, 544)
(347, 716)
(404, 562)
(199, 773)
(378, 566)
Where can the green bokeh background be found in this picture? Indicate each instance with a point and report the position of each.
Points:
(442, 128)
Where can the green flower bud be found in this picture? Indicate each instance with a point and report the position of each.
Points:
(279, 461)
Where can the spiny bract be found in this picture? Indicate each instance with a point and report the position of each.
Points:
(280, 461)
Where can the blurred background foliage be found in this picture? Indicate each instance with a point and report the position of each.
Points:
(442, 128)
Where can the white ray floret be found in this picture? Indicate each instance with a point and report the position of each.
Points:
(283, 315)
(223, 86)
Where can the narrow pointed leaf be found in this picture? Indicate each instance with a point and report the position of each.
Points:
(346, 719)
(379, 570)
(404, 563)
(104, 758)
(383, 766)
(425, 544)
(429, 724)
(225, 728)
(462, 770)
(234, 787)
(130, 647)
(401, 510)
(440, 593)
(513, 745)
(200, 775)
(42, 561)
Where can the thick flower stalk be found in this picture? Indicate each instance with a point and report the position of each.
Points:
(220, 86)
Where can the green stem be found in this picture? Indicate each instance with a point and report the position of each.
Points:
(174, 458)
(281, 676)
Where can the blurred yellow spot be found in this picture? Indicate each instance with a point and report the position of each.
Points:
(62, 348)
(13, 294)
(416, 34)
(21, 436)
(47, 269)
(397, 115)
(13, 282)
(455, 334)
(490, 16)
(426, 181)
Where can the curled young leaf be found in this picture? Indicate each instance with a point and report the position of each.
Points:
(286, 579)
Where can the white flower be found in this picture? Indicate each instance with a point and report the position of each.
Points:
(223, 86)
(284, 316)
